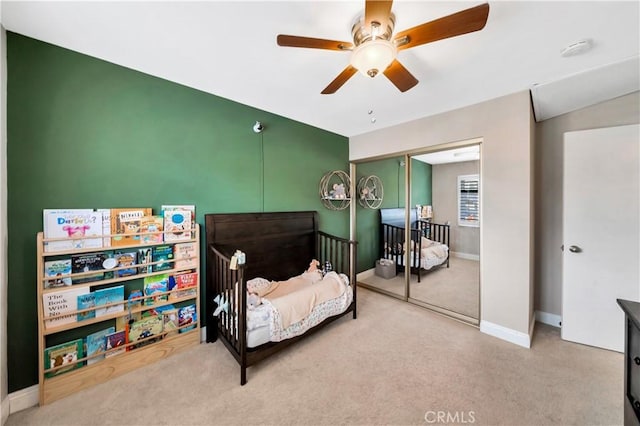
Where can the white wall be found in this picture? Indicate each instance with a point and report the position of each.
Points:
(549, 166)
(444, 198)
(504, 124)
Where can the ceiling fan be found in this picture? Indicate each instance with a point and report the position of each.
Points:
(374, 48)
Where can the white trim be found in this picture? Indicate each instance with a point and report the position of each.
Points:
(549, 319)
(467, 256)
(203, 334)
(366, 274)
(5, 410)
(516, 337)
(23, 399)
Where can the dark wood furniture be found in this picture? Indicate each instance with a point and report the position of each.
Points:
(277, 246)
(631, 362)
(392, 237)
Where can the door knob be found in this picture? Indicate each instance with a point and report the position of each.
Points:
(575, 249)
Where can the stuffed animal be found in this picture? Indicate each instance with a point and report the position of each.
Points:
(338, 191)
(253, 300)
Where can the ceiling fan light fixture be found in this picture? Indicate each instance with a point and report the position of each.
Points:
(373, 57)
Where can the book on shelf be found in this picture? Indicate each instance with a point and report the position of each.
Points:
(72, 223)
(156, 284)
(97, 344)
(86, 301)
(151, 224)
(185, 255)
(107, 296)
(125, 223)
(145, 257)
(63, 354)
(135, 299)
(106, 226)
(127, 260)
(170, 319)
(187, 315)
(58, 304)
(189, 207)
(177, 225)
(145, 328)
(164, 255)
(91, 262)
(57, 269)
(115, 340)
(122, 322)
(185, 285)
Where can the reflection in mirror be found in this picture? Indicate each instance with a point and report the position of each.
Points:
(449, 221)
(374, 271)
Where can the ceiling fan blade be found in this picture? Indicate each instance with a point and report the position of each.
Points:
(463, 22)
(342, 78)
(312, 43)
(400, 76)
(378, 11)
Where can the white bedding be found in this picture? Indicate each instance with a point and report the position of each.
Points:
(265, 325)
(432, 254)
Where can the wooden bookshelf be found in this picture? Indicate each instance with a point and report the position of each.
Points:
(170, 341)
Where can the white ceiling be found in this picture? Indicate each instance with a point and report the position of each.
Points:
(229, 49)
(456, 155)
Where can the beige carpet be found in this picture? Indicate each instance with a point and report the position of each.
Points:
(456, 288)
(394, 364)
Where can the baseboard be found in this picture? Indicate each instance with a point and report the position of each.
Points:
(366, 274)
(549, 319)
(5, 410)
(23, 399)
(512, 336)
(467, 256)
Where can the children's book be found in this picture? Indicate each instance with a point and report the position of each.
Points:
(125, 223)
(144, 257)
(123, 322)
(135, 299)
(185, 286)
(58, 304)
(114, 341)
(72, 224)
(86, 301)
(189, 207)
(185, 255)
(127, 260)
(177, 225)
(87, 263)
(152, 224)
(107, 296)
(155, 284)
(63, 354)
(57, 269)
(97, 344)
(144, 329)
(106, 226)
(162, 254)
(169, 314)
(187, 315)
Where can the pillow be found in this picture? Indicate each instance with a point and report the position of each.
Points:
(427, 242)
(259, 286)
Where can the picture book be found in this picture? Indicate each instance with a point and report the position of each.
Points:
(86, 301)
(186, 284)
(144, 329)
(169, 319)
(63, 354)
(177, 225)
(155, 284)
(144, 257)
(134, 299)
(185, 255)
(106, 226)
(162, 254)
(89, 262)
(114, 341)
(187, 315)
(107, 296)
(97, 344)
(57, 269)
(125, 223)
(72, 224)
(189, 207)
(123, 321)
(59, 304)
(151, 224)
(127, 260)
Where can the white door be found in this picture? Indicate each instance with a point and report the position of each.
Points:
(601, 233)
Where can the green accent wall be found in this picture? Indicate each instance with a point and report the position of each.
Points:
(85, 133)
(391, 173)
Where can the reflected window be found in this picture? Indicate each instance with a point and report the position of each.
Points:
(469, 200)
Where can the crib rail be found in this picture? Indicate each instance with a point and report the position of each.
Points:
(342, 253)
